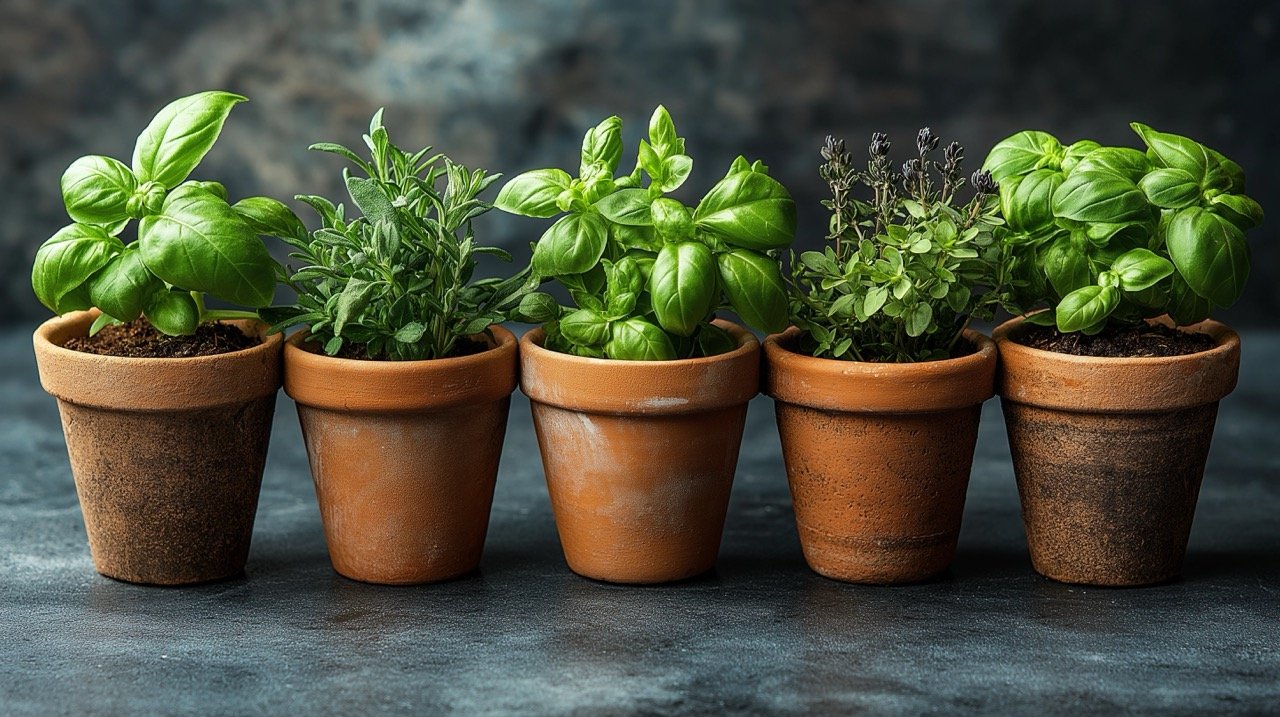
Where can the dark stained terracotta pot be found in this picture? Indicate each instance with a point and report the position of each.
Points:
(639, 456)
(404, 455)
(167, 453)
(878, 456)
(1109, 454)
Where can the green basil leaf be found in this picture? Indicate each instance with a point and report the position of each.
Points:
(180, 135)
(534, 194)
(265, 215)
(1092, 196)
(627, 206)
(1238, 209)
(1186, 307)
(671, 218)
(1021, 153)
(571, 246)
(1077, 151)
(585, 327)
(1140, 269)
(537, 307)
(124, 287)
(65, 263)
(750, 210)
(1123, 161)
(624, 277)
(662, 134)
(214, 188)
(173, 313)
(1170, 188)
(753, 283)
(713, 340)
(1229, 176)
(1066, 265)
(1030, 204)
(96, 190)
(1210, 253)
(675, 170)
(1086, 308)
(102, 322)
(1175, 151)
(683, 286)
(638, 340)
(602, 145)
(199, 243)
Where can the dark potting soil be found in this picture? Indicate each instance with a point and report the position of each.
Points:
(139, 339)
(464, 347)
(1118, 341)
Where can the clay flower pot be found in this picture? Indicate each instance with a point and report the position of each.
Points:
(1109, 454)
(640, 455)
(878, 456)
(404, 455)
(167, 453)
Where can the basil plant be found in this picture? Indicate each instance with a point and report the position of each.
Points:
(1104, 234)
(648, 273)
(190, 240)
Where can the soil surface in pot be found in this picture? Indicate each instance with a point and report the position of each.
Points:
(139, 339)
(1118, 341)
(464, 347)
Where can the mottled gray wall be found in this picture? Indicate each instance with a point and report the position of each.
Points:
(512, 84)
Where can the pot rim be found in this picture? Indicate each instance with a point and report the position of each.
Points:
(129, 382)
(871, 387)
(1105, 384)
(649, 387)
(343, 384)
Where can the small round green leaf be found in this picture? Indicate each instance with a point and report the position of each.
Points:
(96, 190)
(585, 327)
(1086, 308)
(638, 340)
(173, 313)
(1139, 269)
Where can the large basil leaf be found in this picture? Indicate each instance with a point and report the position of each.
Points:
(1124, 161)
(199, 243)
(1210, 253)
(534, 194)
(1021, 153)
(756, 291)
(585, 328)
(1077, 151)
(1238, 209)
(1227, 175)
(1175, 151)
(1170, 188)
(749, 209)
(180, 135)
(124, 287)
(627, 206)
(638, 340)
(1092, 196)
(571, 246)
(683, 286)
(1086, 308)
(1140, 269)
(271, 217)
(65, 263)
(96, 190)
(1186, 307)
(1030, 206)
(1066, 264)
(601, 146)
(173, 312)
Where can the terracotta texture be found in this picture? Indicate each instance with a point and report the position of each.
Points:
(404, 455)
(878, 456)
(167, 453)
(639, 456)
(1109, 454)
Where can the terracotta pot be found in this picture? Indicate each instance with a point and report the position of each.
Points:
(1109, 454)
(167, 453)
(640, 455)
(404, 455)
(878, 456)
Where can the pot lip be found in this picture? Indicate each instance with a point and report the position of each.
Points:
(776, 350)
(531, 345)
(1226, 341)
(44, 341)
(295, 351)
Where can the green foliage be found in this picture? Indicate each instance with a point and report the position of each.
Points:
(646, 272)
(907, 267)
(396, 281)
(1128, 235)
(190, 240)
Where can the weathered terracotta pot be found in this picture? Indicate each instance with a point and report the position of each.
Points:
(404, 455)
(878, 456)
(1109, 454)
(167, 453)
(640, 455)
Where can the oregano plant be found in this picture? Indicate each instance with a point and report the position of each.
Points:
(395, 283)
(190, 240)
(646, 272)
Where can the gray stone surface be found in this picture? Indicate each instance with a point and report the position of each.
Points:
(525, 636)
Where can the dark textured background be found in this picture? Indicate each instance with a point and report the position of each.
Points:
(512, 85)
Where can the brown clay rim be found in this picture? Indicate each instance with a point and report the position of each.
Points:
(1100, 384)
(342, 384)
(154, 384)
(860, 386)
(607, 386)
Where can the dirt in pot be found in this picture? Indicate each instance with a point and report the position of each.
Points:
(1118, 341)
(139, 339)
(464, 347)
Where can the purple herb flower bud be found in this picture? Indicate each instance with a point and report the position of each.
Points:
(879, 144)
(983, 182)
(926, 140)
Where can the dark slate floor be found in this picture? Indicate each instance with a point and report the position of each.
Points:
(526, 636)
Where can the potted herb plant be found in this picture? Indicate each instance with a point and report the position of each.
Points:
(403, 378)
(879, 383)
(1111, 393)
(639, 393)
(166, 404)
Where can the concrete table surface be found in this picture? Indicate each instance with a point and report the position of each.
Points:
(761, 634)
